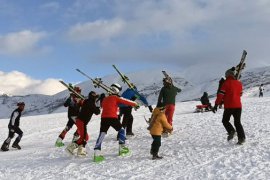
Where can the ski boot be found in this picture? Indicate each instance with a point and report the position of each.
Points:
(241, 141)
(81, 151)
(59, 142)
(5, 146)
(123, 150)
(97, 156)
(156, 156)
(16, 145)
(231, 135)
(71, 148)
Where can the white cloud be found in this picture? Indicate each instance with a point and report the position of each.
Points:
(23, 42)
(100, 29)
(18, 83)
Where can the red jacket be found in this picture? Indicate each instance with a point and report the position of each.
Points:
(110, 105)
(230, 92)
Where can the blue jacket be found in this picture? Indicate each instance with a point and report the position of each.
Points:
(133, 94)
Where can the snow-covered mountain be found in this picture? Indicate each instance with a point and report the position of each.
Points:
(148, 83)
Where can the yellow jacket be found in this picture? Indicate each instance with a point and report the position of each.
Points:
(159, 122)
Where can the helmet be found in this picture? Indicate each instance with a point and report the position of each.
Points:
(77, 89)
(116, 88)
(229, 73)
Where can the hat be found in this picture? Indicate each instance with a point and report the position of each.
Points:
(229, 73)
(77, 89)
(116, 88)
(20, 104)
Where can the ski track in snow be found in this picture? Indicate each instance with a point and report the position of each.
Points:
(198, 148)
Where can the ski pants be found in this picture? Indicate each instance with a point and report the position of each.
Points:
(156, 144)
(261, 94)
(82, 131)
(236, 113)
(127, 118)
(169, 111)
(70, 123)
(105, 124)
(11, 133)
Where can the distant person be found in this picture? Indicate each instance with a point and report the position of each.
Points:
(126, 110)
(73, 104)
(109, 118)
(205, 101)
(166, 98)
(231, 92)
(87, 110)
(158, 124)
(261, 89)
(14, 127)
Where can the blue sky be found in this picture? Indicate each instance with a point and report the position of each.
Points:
(46, 40)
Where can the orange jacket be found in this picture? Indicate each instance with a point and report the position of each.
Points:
(110, 105)
(159, 122)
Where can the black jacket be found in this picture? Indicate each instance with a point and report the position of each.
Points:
(87, 110)
(73, 107)
(15, 118)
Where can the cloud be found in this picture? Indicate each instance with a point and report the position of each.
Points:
(18, 83)
(21, 43)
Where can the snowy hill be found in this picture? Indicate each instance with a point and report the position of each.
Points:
(148, 83)
(198, 148)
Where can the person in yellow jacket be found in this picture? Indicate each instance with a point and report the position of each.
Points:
(158, 123)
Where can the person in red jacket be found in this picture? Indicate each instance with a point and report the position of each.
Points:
(231, 92)
(109, 118)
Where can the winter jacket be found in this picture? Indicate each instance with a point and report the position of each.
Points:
(230, 92)
(167, 95)
(159, 122)
(110, 105)
(73, 106)
(204, 99)
(133, 94)
(15, 118)
(87, 110)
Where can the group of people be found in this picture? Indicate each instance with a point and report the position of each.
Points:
(80, 112)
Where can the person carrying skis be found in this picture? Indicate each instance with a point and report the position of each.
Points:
(230, 93)
(167, 98)
(73, 104)
(14, 127)
(126, 111)
(261, 89)
(205, 101)
(87, 110)
(109, 118)
(157, 125)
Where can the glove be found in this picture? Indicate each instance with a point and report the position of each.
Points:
(136, 107)
(150, 108)
(214, 109)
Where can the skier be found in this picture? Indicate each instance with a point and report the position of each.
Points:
(261, 89)
(13, 128)
(231, 92)
(88, 108)
(205, 101)
(167, 98)
(126, 111)
(109, 118)
(73, 104)
(157, 125)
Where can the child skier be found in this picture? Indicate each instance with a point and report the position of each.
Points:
(13, 128)
(73, 104)
(158, 124)
(88, 108)
(109, 118)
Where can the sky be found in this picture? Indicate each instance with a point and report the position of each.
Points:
(44, 41)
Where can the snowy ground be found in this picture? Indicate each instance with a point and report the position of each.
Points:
(197, 150)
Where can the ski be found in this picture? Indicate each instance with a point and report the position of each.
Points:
(97, 82)
(71, 89)
(241, 65)
(125, 79)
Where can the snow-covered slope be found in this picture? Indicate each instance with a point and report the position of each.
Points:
(198, 148)
(148, 83)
